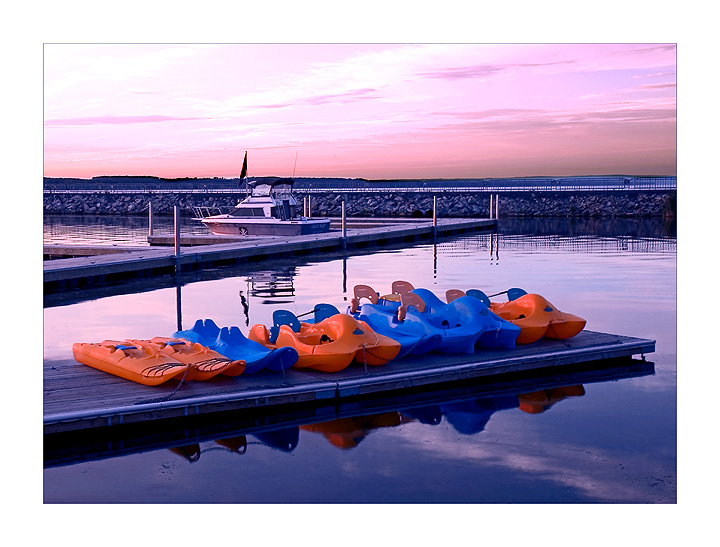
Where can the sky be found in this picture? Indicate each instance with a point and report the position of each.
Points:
(359, 110)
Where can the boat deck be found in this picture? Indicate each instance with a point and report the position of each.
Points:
(78, 397)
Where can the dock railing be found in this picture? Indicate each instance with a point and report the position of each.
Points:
(316, 186)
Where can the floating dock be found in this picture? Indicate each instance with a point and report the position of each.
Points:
(62, 273)
(78, 397)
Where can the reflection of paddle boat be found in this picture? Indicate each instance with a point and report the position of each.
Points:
(145, 366)
(208, 363)
(330, 345)
(540, 401)
(231, 343)
(347, 433)
(535, 316)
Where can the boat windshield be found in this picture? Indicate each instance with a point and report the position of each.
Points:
(262, 190)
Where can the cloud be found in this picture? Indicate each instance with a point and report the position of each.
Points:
(117, 120)
(460, 73)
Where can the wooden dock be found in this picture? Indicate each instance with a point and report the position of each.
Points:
(78, 397)
(62, 274)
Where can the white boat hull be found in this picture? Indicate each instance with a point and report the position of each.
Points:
(266, 227)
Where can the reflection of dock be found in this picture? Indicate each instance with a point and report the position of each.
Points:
(79, 397)
(229, 429)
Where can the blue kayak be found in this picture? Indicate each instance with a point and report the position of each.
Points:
(464, 322)
(230, 342)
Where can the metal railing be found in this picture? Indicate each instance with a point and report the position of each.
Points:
(310, 186)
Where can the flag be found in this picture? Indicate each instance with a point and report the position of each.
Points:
(243, 173)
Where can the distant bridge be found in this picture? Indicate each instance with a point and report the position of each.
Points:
(324, 185)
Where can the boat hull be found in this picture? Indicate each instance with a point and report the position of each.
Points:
(270, 227)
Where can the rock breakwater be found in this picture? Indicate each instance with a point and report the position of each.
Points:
(391, 204)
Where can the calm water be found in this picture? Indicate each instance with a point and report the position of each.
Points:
(579, 440)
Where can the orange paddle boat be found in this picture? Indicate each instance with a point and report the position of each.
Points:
(537, 317)
(144, 365)
(330, 345)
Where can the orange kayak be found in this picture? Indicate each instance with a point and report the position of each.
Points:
(206, 362)
(332, 344)
(537, 317)
(143, 365)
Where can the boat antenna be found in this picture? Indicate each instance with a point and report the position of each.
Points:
(294, 166)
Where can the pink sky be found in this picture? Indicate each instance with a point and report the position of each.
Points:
(360, 110)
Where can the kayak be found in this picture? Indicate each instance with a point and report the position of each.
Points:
(465, 321)
(208, 363)
(538, 318)
(143, 365)
(330, 345)
(231, 343)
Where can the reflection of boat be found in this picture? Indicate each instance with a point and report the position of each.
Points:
(145, 366)
(471, 417)
(208, 363)
(231, 343)
(347, 433)
(285, 439)
(271, 209)
(190, 452)
(540, 401)
(330, 345)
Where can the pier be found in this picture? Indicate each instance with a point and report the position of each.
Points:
(77, 397)
(208, 251)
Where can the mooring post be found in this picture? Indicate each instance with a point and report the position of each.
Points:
(491, 200)
(434, 216)
(308, 215)
(150, 220)
(497, 203)
(344, 228)
(177, 235)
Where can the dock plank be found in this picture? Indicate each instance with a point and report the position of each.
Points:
(78, 397)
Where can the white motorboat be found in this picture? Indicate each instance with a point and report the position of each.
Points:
(270, 209)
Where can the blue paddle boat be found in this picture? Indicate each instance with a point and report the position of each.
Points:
(494, 332)
(413, 337)
(230, 342)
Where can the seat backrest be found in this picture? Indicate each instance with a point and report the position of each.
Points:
(323, 311)
(401, 287)
(285, 317)
(453, 294)
(409, 299)
(515, 293)
(477, 293)
(365, 291)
